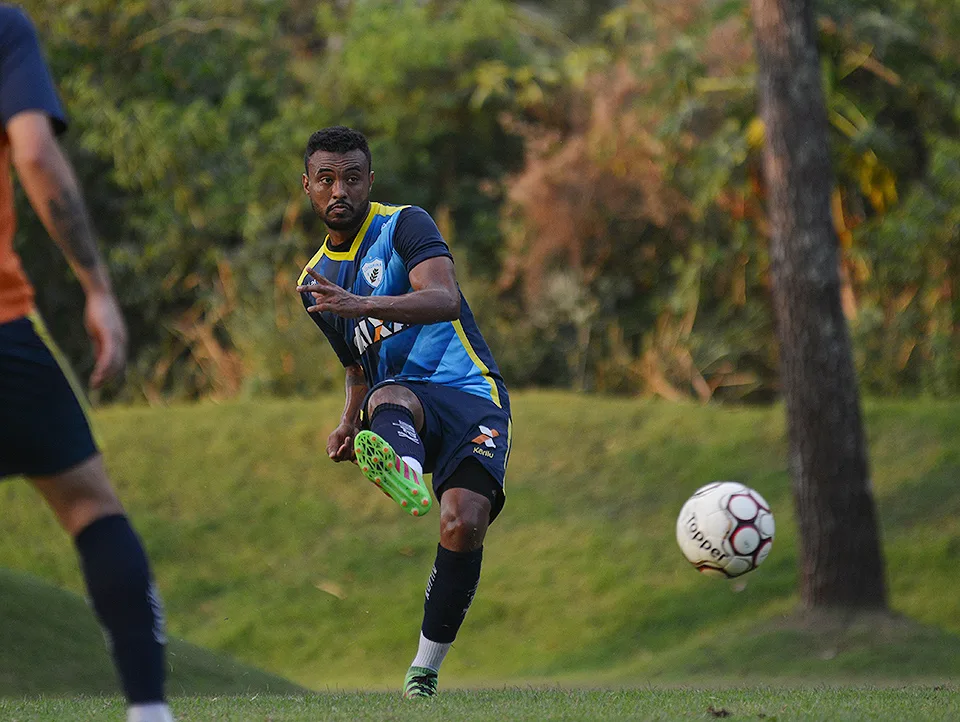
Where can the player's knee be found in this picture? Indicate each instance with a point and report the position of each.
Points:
(399, 395)
(463, 524)
(83, 512)
(81, 495)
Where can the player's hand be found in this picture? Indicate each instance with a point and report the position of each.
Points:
(340, 443)
(107, 330)
(330, 297)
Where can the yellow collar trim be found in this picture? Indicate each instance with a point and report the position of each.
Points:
(376, 209)
(351, 252)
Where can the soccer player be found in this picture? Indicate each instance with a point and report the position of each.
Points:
(44, 433)
(423, 393)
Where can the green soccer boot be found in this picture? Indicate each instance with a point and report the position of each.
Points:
(391, 474)
(420, 682)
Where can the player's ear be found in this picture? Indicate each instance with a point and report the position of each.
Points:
(371, 179)
(306, 184)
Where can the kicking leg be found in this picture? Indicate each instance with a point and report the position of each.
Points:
(391, 453)
(118, 580)
(465, 513)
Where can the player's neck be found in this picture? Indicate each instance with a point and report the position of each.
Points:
(342, 239)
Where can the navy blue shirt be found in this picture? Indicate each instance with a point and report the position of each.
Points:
(25, 85)
(25, 82)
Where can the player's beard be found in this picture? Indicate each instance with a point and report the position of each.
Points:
(344, 223)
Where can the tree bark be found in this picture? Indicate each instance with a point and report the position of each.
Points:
(840, 559)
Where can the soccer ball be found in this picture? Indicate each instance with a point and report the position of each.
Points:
(725, 529)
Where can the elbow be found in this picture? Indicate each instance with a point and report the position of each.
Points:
(33, 157)
(451, 308)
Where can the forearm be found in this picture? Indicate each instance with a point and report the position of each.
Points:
(429, 305)
(356, 391)
(54, 193)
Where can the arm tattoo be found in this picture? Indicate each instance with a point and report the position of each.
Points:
(74, 228)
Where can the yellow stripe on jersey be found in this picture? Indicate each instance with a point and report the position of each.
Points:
(40, 328)
(313, 262)
(506, 458)
(494, 391)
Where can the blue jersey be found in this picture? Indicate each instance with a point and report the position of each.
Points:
(391, 241)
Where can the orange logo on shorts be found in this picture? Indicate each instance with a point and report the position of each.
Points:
(486, 437)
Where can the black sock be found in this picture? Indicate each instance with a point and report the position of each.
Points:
(394, 424)
(453, 582)
(126, 602)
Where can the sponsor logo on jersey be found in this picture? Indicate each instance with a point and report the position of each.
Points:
(373, 330)
(373, 272)
(487, 437)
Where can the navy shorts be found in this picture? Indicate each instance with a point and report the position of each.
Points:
(458, 426)
(43, 425)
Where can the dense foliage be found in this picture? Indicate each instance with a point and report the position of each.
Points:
(594, 164)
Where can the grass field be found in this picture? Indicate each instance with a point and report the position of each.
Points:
(918, 704)
(51, 645)
(268, 552)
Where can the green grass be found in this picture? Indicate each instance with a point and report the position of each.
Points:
(268, 552)
(50, 644)
(918, 704)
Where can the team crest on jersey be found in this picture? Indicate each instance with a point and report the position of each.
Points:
(373, 272)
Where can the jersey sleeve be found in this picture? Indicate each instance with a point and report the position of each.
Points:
(25, 81)
(340, 346)
(417, 238)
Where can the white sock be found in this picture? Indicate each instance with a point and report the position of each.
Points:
(413, 464)
(430, 654)
(153, 712)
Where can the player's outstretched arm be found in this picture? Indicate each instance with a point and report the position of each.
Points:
(435, 296)
(340, 443)
(53, 191)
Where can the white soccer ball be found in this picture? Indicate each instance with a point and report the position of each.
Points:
(725, 529)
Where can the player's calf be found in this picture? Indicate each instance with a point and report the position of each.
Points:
(126, 602)
(466, 505)
(391, 455)
(119, 582)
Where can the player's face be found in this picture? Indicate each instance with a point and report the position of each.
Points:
(338, 185)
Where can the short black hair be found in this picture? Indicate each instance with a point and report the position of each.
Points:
(337, 139)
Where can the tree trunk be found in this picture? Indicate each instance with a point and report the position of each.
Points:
(840, 559)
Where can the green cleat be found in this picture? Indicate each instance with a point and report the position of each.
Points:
(420, 682)
(391, 474)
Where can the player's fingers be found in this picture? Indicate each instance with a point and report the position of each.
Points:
(109, 366)
(312, 287)
(104, 351)
(332, 447)
(318, 277)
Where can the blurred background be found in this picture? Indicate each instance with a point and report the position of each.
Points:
(594, 164)
(596, 168)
